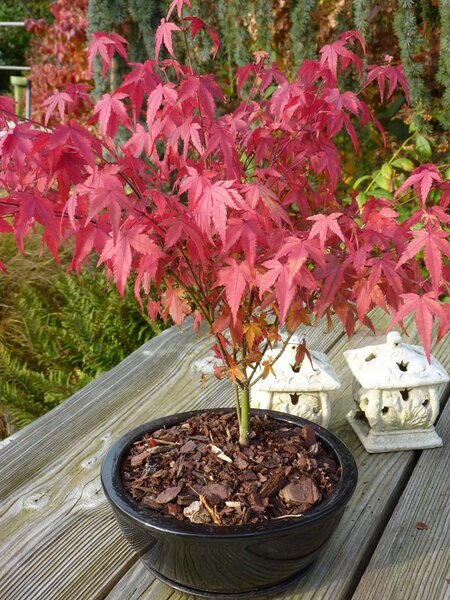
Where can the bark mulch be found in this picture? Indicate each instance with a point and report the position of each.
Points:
(196, 471)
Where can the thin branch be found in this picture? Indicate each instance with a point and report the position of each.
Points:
(283, 348)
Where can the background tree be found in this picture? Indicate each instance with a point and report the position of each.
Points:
(57, 56)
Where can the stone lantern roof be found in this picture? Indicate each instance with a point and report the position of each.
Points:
(394, 365)
(316, 377)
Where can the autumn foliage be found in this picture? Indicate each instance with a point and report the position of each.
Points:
(238, 217)
(57, 57)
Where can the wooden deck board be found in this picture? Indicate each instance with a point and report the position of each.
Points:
(410, 562)
(56, 527)
(58, 539)
(382, 478)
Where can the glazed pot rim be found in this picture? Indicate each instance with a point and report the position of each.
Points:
(123, 502)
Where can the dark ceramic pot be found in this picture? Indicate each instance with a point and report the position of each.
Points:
(232, 561)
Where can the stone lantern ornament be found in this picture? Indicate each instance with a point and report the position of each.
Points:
(397, 401)
(300, 390)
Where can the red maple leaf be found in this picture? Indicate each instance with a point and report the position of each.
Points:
(153, 104)
(111, 111)
(105, 191)
(139, 142)
(332, 52)
(426, 309)
(119, 252)
(106, 44)
(395, 76)
(163, 35)
(245, 230)
(7, 109)
(298, 251)
(175, 304)
(33, 207)
(242, 74)
(234, 277)
(422, 180)
(58, 100)
(178, 4)
(324, 224)
(434, 242)
(197, 25)
(332, 278)
(16, 146)
(209, 201)
(278, 277)
(141, 80)
(205, 89)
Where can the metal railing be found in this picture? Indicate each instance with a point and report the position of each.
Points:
(18, 68)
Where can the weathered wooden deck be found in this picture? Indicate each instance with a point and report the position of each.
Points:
(59, 540)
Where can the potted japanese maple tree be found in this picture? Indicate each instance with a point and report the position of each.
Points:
(240, 219)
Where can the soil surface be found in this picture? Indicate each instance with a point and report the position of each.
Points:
(196, 471)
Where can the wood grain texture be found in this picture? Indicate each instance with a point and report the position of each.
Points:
(382, 479)
(58, 538)
(56, 528)
(410, 562)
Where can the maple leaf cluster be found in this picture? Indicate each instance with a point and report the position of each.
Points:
(59, 67)
(238, 217)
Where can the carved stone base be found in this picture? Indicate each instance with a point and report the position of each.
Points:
(312, 406)
(391, 441)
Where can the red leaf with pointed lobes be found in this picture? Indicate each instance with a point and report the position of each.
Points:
(87, 239)
(141, 141)
(351, 36)
(298, 251)
(346, 314)
(422, 179)
(60, 101)
(426, 309)
(153, 309)
(120, 253)
(175, 305)
(163, 35)
(435, 243)
(209, 201)
(332, 280)
(153, 104)
(33, 207)
(277, 278)
(141, 80)
(331, 53)
(221, 138)
(235, 277)
(197, 25)
(302, 352)
(178, 4)
(245, 232)
(395, 76)
(242, 75)
(16, 146)
(148, 268)
(105, 191)
(324, 224)
(106, 44)
(111, 111)
(264, 199)
(7, 109)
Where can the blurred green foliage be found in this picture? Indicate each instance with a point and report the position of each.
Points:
(14, 40)
(59, 331)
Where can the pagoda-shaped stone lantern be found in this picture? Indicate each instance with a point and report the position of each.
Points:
(397, 401)
(301, 390)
